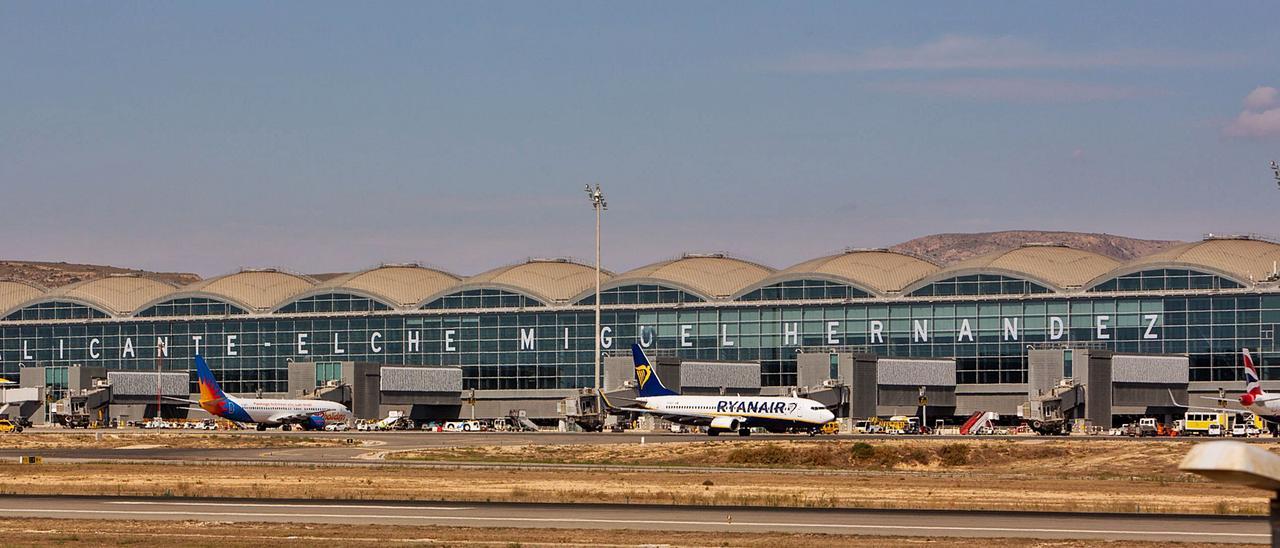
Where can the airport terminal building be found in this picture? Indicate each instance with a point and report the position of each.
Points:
(524, 331)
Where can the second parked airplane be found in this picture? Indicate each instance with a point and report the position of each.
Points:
(722, 413)
(307, 414)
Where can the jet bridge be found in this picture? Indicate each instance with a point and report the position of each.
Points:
(135, 395)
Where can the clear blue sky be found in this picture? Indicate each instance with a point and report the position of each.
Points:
(332, 136)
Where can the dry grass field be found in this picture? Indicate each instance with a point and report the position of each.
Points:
(56, 532)
(110, 439)
(1078, 483)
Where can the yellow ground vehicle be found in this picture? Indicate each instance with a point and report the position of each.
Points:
(831, 428)
(1199, 423)
(897, 424)
(7, 425)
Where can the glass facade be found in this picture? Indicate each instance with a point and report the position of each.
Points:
(56, 310)
(195, 306)
(505, 348)
(483, 298)
(327, 372)
(56, 381)
(1162, 279)
(980, 284)
(810, 290)
(333, 302)
(642, 294)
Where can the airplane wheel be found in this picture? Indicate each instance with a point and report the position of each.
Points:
(744, 432)
(813, 432)
(713, 433)
(262, 428)
(285, 428)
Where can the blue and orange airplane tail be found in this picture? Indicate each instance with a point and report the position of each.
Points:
(647, 382)
(209, 390)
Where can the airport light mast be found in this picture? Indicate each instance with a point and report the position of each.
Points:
(597, 203)
(160, 351)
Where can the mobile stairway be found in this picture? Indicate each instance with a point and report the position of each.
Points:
(979, 422)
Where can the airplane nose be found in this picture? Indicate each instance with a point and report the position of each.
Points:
(828, 415)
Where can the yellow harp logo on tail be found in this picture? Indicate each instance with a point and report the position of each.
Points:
(643, 372)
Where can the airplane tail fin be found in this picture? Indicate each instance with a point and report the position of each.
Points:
(1252, 385)
(647, 382)
(209, 390)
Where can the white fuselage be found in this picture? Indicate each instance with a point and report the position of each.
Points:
(802, 412)
(273, 412)
(1266, 405)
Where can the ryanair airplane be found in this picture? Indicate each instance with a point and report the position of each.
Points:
(722, 413)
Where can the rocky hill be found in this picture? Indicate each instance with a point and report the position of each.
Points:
(58, 274)
(951, 248)
(940, 248)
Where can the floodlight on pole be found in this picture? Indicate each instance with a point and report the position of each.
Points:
(599, 205)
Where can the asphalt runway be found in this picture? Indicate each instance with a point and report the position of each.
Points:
(667, 518)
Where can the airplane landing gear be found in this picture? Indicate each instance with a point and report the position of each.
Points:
(262, 427)
(744, 432)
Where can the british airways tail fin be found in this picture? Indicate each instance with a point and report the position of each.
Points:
(647, 382)
(1252, 386)
(209, 389)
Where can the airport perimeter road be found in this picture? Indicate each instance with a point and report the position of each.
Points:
(640, 518)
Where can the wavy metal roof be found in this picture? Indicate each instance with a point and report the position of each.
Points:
(1057, 267)
(117, 295)
(395, 285)
(712, 276)
(1243, 259)
(547, 280)
(253, 290)
(559, 281)
(877, 271)
(14, 293)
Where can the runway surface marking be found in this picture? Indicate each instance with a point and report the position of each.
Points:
(284, 505)
(632, 522)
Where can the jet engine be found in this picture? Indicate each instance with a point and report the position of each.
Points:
(726, 423)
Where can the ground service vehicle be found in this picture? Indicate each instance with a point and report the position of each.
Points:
(831, 428)
(1198, 423)
(462, 426)
(1239, 431)
(7, 425)
(74, 421)
(1147, 427)
(898, 424)
(1215, 430)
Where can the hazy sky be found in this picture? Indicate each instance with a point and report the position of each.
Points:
(333, 136)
